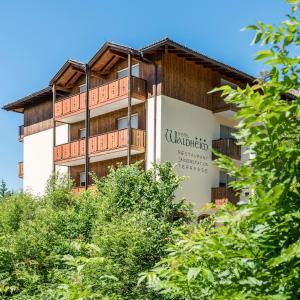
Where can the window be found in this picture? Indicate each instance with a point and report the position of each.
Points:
(224, 179)
(123, 122)
(226, 82)
(135, 71)
(227, 132)
(82, 133)
(82, 88)
(82, 179)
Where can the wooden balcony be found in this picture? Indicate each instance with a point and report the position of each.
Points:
(223, 195)
(20, 169)
(102, 99)
(79, 189)
(101, 147)
(21, 133)
(227, 147)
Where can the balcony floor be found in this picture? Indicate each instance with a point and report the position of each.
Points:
(105, 108)
(112, 154)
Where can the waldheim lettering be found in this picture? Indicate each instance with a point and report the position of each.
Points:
(175, 137)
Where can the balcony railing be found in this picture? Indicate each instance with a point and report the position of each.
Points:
(21, 132)
(20, 169)
(100, 144)
(101, 95)
(223, 195)
(78, 189)
(227, 147)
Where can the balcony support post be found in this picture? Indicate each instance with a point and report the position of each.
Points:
(54, 126)
(87, 126)
(129, 108)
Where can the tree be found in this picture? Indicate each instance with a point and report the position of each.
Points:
(3, 189)
(256, 253)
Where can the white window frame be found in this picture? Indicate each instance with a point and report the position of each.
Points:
(81, 90)
(80, 131)
(125, 69)
(82, 182)
(133, 115)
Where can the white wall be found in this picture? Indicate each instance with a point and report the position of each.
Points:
(150, 131)
(195, 124)
(38, 158)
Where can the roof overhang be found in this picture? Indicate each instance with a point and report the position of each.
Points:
(108, 55)
(169, 46)
(18, 106)
(68, 74)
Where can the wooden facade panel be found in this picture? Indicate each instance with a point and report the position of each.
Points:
(38, 127)
(113, 89)
(93, 144)
(223, 195)
(103, 93)
(58, 109)
(112, 140)
(102, 142)
(108, 122)
(123, 86)
(187, 81)
(20, 169)
(74, 149)
(93, 96)
(123, 138)
(66, 106)
(81, 147)
(38, 112)
(82, 101)
(75, 103)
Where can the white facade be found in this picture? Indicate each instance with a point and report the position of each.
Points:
(184, 136)
(38, 158)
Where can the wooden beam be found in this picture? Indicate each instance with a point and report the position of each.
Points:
(176, 51)
(70, 79)
(97, 74)
(77, 69)
(117, 53)
(106, 64)
(60, 88)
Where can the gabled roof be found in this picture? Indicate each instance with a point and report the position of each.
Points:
(18, 105)
(197, 57)
(69, 69)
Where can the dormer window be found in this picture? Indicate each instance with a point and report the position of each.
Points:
(227, 82)
(135, 71)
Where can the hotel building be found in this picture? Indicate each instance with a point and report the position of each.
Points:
(126, 105)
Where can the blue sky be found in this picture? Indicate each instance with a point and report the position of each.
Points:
(38, 36)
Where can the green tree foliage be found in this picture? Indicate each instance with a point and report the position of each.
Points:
(252, 252)
(94, 245)
(4, 190)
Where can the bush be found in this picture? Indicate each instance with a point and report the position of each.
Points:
(94, 245)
